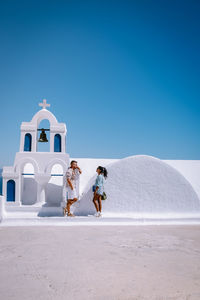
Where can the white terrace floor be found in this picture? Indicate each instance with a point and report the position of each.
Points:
(100, 263)
(20, 218)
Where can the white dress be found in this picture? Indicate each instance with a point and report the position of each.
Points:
(73, 175)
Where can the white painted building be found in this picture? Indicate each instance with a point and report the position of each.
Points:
(19, 184)
(140, 187)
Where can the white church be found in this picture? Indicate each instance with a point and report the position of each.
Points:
(27, 184)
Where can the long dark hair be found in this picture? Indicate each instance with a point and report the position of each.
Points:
(103, 171)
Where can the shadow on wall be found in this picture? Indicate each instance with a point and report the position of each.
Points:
(52, 206)
(85, 206)
(29, 193)
(53, 194)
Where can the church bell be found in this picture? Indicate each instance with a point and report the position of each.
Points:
(43, 136)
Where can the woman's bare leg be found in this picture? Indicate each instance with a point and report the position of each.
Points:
(100, 203)
(95, 204)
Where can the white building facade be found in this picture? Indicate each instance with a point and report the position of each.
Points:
(19, 184)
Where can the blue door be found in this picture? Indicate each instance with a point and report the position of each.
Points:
(57, 143)
(11, 191)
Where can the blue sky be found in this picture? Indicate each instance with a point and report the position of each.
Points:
(123, 75)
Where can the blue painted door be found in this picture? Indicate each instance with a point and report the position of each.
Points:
(11, 191)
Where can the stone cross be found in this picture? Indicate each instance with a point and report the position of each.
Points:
(44, 104)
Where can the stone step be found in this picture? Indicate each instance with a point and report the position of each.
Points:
(32, 211)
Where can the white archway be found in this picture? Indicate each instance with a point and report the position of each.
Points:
(54, 162)
(20, 165)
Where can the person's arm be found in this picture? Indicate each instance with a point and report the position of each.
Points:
(80, 172)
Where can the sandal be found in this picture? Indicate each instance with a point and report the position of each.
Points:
(70, 215)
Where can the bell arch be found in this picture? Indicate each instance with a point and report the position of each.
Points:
(44, 134)
(54, 128)
(44, 114)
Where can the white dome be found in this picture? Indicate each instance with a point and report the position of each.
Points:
(143, 184)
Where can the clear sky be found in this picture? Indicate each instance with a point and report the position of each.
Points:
(123, 75)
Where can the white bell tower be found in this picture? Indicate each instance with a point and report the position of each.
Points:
(29, 131)
(15, 179)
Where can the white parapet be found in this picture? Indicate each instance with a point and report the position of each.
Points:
(2, 210)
